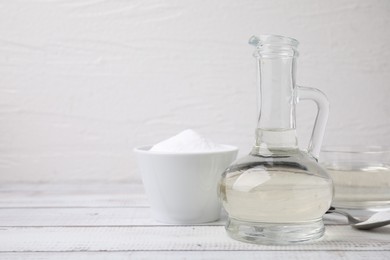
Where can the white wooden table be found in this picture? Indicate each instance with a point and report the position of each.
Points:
(112, 221)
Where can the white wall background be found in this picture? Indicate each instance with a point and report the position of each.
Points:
(82, 82)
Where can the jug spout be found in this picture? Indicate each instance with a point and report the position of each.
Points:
(274, 46)
(254, 40)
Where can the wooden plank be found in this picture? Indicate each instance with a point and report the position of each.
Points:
(78, 194)
(51, 217)
(181, 238)
(59, 217)
(195, 255)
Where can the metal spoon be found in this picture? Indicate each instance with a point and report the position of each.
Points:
(377, 220)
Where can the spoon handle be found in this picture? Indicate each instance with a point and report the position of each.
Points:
(351, 219)
(367, 226)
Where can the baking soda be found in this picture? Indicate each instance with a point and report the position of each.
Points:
(187, 141)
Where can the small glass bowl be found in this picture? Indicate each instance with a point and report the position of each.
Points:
(361, 176)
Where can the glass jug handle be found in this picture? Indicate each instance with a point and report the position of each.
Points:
(305, 93)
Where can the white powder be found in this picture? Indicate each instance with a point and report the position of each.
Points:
(186, 141)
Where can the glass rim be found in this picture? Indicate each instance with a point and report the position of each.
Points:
(272, 39)
(362, 149)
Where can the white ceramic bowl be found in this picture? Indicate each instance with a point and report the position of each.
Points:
(182, 187)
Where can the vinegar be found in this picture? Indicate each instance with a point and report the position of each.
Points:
(275, 195)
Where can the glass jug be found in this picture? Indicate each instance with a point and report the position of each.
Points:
(278, 194)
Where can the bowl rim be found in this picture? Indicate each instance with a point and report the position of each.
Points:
(145, 149)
